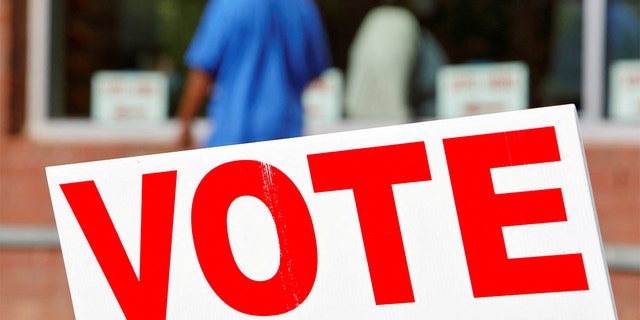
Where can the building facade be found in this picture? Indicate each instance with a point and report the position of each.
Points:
(32, 279)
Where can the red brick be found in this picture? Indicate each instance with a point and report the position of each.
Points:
(626, 293)
(33, 285)
(615, 179)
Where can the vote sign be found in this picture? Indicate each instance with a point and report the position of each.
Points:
(486, 217)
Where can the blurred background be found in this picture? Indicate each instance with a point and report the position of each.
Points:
(84, 80)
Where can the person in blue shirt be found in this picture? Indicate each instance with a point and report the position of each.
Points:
(252, 60)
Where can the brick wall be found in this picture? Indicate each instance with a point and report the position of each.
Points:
(614, 172)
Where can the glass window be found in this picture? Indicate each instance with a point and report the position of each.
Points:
(622, 60)
(86, 36)
(92, 35)
(545, 34)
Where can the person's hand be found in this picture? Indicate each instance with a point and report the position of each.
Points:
(185, 141)
(194, 93)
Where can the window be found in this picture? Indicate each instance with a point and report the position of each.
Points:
(71, 40)
(88, 36)
(622, 61)
(570, 47)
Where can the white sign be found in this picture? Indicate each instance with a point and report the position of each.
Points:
(487, 217)
(624, 93)
(322, 99)
(481, 88)
(129, 97)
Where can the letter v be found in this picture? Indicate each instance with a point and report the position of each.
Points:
(139, 299)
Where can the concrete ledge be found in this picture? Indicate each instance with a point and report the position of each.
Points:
(23, 237)
(623, 257)
(620, 257)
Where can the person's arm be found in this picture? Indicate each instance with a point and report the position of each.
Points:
(195, 92)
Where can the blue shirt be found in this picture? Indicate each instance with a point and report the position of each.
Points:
(261, 54)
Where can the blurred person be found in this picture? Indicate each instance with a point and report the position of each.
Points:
(252, 60)
(430, 58)
(393, 63)
(380, 63)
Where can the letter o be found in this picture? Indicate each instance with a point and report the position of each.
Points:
(295, 276)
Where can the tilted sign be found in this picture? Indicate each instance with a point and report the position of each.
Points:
(487, 217)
